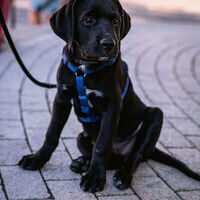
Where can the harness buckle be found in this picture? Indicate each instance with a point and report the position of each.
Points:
(80, 72)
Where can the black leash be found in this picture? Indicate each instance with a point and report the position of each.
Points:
(16, 54)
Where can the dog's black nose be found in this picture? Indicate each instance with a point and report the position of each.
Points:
(107, 44)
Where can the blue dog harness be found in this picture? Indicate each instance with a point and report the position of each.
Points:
(91, 117)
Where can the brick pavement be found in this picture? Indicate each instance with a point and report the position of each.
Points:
(164, 63)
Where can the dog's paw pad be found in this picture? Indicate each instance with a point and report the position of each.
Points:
(122, 182)
(91, 183)
(31, 162)
(79, 165)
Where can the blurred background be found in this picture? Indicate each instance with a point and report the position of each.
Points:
(38, 12)
(148, 10)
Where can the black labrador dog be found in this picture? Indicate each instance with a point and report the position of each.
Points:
(119, 130)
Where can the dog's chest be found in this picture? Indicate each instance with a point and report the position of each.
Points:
(93, 96)
(93, 104)
(96, 99)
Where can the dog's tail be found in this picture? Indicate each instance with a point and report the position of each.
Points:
(164, 158)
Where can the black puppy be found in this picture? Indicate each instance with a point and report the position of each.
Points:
(119, 131)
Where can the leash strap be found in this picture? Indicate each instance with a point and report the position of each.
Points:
(16, 54)
(85, 108)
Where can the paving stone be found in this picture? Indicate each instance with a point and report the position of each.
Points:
(51, 95)
(73, 126)
(189, 83)
(36, 119)
(166, 123)
(2, 195)
(71, 145)
(12, 151)
(189, 156)
(155, 93)
(69, 190)
(110, 189)
(22, 184)
(187, 104)
(31, 89)
(9, 112)
(171, 138)
(152, 188)
(58, 168)
(125, 197)
(36, 138)
(196, 116)
(190, 195)
(9, 97)
(176, 93)
(5, 60)
(173, 85)
(11, 129)
(161, 147)
(34, 103)
(14, 78)
(147, 60)
(186, 127)
(171, 111)
(144, 170)
(195, 140)
(196, 97)
(193, 110)
(176, 179)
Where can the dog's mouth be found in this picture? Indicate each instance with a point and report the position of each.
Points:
(95, 58)
(92, 60)
(104, 58)
(85, 59)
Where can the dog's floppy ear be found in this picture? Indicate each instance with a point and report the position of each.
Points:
(126, 24)
(126, 21)
(62, 22)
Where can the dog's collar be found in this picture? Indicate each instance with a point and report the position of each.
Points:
(85, 71)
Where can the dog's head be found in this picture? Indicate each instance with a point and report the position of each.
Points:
(92, 28)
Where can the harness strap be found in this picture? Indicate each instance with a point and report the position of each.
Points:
(91, 117)
(74, 68)
(127, 81)
(85, 108)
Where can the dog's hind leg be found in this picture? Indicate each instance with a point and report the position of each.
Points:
(82, 163)
(143, 148)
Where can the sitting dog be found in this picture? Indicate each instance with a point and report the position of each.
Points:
(119, 130)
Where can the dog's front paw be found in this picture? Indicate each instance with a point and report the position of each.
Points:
(80, 164)
(122, 179)
(31, 162)
(93, 181)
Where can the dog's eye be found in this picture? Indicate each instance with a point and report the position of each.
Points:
(116, 21)
(89, 21)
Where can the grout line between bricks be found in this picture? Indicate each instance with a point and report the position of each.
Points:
(3, 187)
(177, 76)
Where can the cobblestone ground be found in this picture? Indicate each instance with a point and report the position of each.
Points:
(164, 63)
